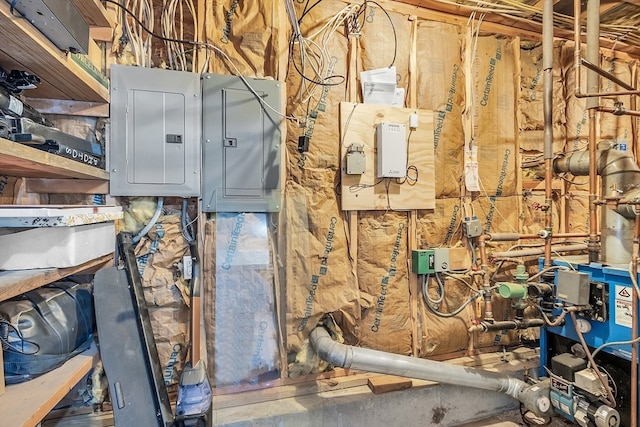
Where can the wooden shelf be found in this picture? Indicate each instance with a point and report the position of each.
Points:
(25, 404)
(48, 216)
(23, 47)
(24, 161)
(13, 283)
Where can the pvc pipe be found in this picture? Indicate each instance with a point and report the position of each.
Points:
(365, 359)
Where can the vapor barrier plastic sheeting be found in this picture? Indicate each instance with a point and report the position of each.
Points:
(246, 338)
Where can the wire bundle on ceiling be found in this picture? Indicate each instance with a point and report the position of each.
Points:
(172, 19)
(521, 11)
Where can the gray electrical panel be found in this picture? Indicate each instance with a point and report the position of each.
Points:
(155, 132)
(573, 287)
(241, 144)
(59, 21)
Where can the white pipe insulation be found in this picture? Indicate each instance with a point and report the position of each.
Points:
(534, 397)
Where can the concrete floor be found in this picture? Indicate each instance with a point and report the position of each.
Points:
(347, 400)
(514, 419)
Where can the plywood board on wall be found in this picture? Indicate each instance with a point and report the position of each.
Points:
(368, 192)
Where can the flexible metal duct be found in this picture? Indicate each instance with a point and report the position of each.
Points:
(620, 178)
(349, 357)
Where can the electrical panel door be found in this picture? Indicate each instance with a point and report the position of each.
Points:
(155, 132)
(241, 134)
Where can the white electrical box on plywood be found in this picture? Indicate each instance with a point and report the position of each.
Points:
(415, 187)
(391, 150)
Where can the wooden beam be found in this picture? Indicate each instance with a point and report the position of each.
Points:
(69, 108)
(201, 51)
(66, 186)
(437, 11)
(101, 34)
(93, 12)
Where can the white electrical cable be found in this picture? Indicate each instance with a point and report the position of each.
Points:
(612, 343)
(244, 80)
(151, 223)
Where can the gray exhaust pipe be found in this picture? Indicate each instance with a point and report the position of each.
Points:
(620, 177)
(534, 397)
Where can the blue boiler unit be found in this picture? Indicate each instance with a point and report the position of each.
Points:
(600, 297)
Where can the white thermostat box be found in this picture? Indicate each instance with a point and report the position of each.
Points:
(391, 147)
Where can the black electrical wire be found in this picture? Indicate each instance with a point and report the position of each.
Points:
(305, 11)
(325, 80)
(151, 33)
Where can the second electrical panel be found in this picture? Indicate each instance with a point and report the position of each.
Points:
(241, 144)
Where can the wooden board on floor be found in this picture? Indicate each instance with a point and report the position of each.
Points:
(368, 192)
(387, 383)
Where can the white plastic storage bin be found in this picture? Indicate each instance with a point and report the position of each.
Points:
(59, 247)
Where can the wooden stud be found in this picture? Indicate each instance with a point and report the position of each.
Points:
(412, 230)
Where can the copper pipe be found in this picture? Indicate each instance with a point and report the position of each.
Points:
(548, 200)
(610, 399)
(607, 94)
(554, 236)
(537, 251)
(512, 237)
(593, 184)
(619, 111)
(609, 76)
(486, 284)
(483, 248)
